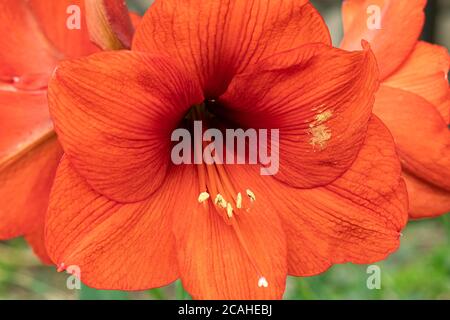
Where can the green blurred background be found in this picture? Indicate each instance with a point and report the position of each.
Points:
(419, 270)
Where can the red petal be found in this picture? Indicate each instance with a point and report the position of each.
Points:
(222, 261)
(37, 242)
(135, 19)
(401, 26)
(116, 246)
(357, 218)
(109, 24)
(22, 43)
(24, 120)
(29, 155)
(54, 16)
(25, 187)
(425, 74)
(114, 113)
(444, 110)
(421, 135)
(215, 40)
(321, 100)
(425, 199)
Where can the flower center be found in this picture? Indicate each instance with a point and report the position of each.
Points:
(218, 194)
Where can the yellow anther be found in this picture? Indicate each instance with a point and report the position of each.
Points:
(229, 211)
(220, 201)
(251, 195)
(239, 201)
(203, 197)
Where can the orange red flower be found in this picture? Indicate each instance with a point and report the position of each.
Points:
(131, 220)
(413, 100)
(35, 37)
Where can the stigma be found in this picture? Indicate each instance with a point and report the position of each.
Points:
(262, 282)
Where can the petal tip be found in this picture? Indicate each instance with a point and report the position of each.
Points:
(61, 267)
(365, 45)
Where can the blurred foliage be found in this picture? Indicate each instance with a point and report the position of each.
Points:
(139, 5)
(419, 270)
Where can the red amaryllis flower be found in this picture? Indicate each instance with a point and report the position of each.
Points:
(130, 219)
(414, 98)
(35, 36)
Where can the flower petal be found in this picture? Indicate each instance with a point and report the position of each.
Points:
(114, 113)
(37, 241)
(25, 184)
(64, 24)
(425, 74)
(135, 19)
(444, 110)
(29, 155)
(222, 261)
(109, 24)
(216, 40)
(421, 135)
(321, 100)
(400, 27)
(22, 42)
(425, 199)
(24, 120)
(115, 246)
(357, 218)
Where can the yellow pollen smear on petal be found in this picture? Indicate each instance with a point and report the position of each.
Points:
(319, 131)
(220, 201)
(324, 116)
(203, 197)
(251, 195)
(262, 282)
(239, 201)
(229, 211)
(320, 135)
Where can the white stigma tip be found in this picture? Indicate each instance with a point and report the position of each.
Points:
(229, 211)
(203, 197)
(239, 201)
(262, 282)
(251, 195)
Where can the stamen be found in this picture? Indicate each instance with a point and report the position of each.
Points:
(220, 201)
(229, 211)
(251, 195)
(262, 282)
(203, 197)
(239, 201)
(216, 185)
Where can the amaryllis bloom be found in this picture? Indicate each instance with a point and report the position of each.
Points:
(130, 219)
(413, 100)
(35, 35)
